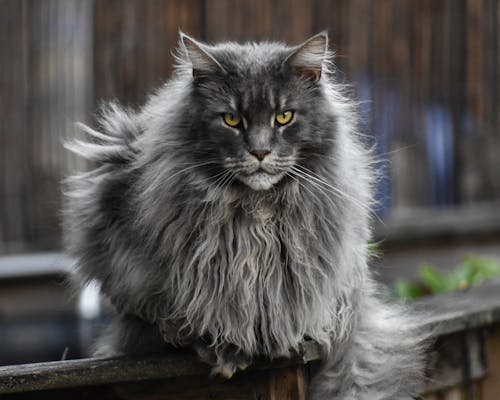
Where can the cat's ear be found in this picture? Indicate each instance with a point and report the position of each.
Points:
(307, 59)
(202, 62)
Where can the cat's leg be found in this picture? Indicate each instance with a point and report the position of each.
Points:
(128, 334)
(224, 359)
(383, 359)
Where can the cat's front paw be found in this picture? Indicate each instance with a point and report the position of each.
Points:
(226, 368)
(225, 360)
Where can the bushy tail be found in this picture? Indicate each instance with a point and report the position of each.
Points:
(383, 358)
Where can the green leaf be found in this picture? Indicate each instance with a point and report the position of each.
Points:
(406, 290)
(471, 271)
(432, 279)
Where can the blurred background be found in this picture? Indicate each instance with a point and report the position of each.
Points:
(427, 73)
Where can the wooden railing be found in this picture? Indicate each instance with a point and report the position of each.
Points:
(464, 363)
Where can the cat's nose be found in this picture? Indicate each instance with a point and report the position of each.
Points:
(260, 154)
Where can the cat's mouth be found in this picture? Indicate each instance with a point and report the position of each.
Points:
(261, 179)
(260, 175)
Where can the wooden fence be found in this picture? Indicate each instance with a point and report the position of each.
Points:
(463, 363)
(429, 68)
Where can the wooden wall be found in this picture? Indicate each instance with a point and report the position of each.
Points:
(45, 72)
(427, 71)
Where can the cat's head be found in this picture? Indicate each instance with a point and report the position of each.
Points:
(257, 112)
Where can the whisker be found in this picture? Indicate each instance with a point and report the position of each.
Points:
(341, 193)
(221, 184)
(309, 190)
(295, 176)
(334, 190)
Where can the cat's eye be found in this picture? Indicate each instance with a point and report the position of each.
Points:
(232, 120)
(284, 117)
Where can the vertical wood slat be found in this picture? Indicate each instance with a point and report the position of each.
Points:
(491, 88)
(133, 43)
(288, 384)
(48, 42)
(260, 20)
(491, 384)
(13, 81)
(475, 58)
(238, 20)
(408, 53)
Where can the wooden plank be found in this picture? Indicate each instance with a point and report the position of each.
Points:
(133, 41)
(420, 53)
(475, 220)
(74, 373)
(288, 384)
(403, 260)
(30, 265)
(243, 386)
(44, 44)
(284, 20)
(456, 393)
(445, 315)
(13, 80)
(275, 384)
(458, 311)
(456, 360)
(245, 21)
(475, 58)
(491, 384)
(85, 372)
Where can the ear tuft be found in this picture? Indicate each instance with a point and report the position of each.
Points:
(307, 60)
(203, 63)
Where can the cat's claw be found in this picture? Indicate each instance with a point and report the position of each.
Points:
(227, 370)
(224, 370)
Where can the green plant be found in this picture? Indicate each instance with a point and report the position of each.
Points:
(471, 271)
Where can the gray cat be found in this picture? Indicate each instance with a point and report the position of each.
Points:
(231, 214)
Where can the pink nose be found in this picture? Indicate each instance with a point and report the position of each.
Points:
(260, 154)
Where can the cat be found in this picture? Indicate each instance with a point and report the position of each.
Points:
(231, 214)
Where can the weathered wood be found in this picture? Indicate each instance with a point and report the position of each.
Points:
(133, 45)
(456, 360)
(288, 384)
(46, 54)
(248, 386)
(463, 310)
(34, 265)
(431, 224)
(491, 384)
(60, 58)
(459, 366)
(404, 261)
(458, 319)
(75, 373)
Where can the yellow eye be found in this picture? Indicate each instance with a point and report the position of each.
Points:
(231, 119)
(284, 117)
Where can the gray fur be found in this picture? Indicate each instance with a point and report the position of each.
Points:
(192, 244)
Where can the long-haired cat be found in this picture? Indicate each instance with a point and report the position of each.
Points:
(231, 214)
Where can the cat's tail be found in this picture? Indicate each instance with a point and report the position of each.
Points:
(383, 358)
(113, 141)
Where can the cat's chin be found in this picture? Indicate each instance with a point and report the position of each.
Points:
(261, 180)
